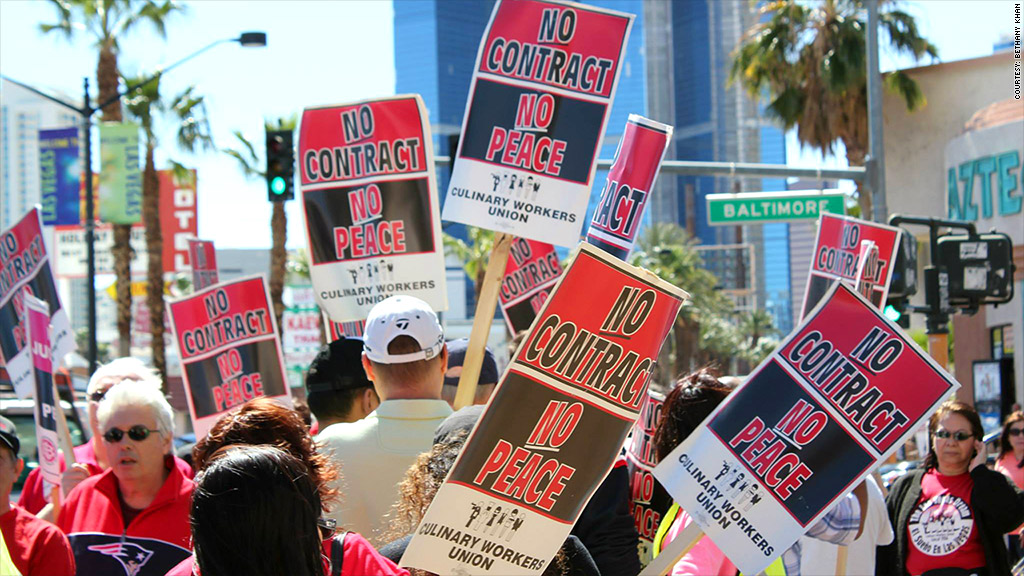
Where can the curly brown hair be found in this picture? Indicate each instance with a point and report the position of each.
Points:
(691, 400)
(263, 421)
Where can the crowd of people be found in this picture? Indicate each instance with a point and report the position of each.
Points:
(267, 493)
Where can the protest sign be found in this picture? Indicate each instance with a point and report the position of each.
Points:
(539, 101)
(337, 330)
(120, 181)
(620, 210)
(837, 256)
(178, 217)
(46, 401)
(230, 352)
(203, 258)
(70, 249)
(60, 174)
(25, 269)
(554, 426)
(530, 275)
(830, 404)
(369, 195)
(648, 500)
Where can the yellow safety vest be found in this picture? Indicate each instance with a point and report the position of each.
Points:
(7, 567)
(776, 568)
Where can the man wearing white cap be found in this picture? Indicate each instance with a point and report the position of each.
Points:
(405, 357)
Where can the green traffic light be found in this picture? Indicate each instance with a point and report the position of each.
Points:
(277, 185)
(892, 313)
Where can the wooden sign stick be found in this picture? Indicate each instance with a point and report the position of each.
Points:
(482, 319)
(841, 560)
(676, 549)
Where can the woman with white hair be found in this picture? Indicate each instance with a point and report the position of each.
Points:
(90, 457)
(133, 518)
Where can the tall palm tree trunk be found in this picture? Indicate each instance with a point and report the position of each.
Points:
(107, 78)
(278, 259)
(155, 270)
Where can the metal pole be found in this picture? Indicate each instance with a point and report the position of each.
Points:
(876, 144)
(90, 225)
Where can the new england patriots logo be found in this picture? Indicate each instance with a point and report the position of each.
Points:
(131, 556)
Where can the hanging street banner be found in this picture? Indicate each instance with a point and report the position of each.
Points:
(620, 210)
(203, 259)
(531, 273)
(120, 182)
(764, 207)
(25, 270)
(539, 101)
(554, 426)
(838, 255)
(178, 218)
(46, 403)
(369, 196)
(230, 352)
(648, 500)
(60, 176)
(764, 466)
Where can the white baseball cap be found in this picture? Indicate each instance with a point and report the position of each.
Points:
(402, 316)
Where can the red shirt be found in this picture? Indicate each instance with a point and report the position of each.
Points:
(360, 559)
(153, 543)
(37, 547)
(941, 528)
(33, 494)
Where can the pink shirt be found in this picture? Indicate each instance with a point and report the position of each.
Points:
(703, 559)
(1007, 464)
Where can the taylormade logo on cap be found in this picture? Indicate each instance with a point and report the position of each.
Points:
(402, 316)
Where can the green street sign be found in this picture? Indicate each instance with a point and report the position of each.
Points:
(758, 207)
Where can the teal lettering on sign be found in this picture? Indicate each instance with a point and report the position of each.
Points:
(960, 199)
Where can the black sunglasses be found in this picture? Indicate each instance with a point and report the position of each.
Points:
(959, 436)
(327, 526)
(96, 396)
(137, 433)
(1015, 431)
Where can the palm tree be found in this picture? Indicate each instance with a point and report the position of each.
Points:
(474, 255)
(189, 112)
(809, 60)
(249, 161)
(107, 21)
(668, 250)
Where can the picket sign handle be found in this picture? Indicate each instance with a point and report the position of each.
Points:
(841, 561)
(55, 503)
(63, 433)
(676, 549)
(485, 307)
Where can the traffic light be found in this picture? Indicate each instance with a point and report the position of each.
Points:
(980, 268)
(280, 165)
(896, 310)
(904, 269)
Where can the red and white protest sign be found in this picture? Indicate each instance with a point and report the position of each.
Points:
(46, 402)
(229, 348)
(531, 273)
(837, 256)
(620, 210)
(648, 500)
(539, 102)
(369, 194)
(25, 269)
(203, 258)
(554, 426)
(338, 330)
(178, 217)
(830, 404)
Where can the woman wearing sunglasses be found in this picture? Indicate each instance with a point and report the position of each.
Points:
(132, 518)
(1011, 464)
(950, 516)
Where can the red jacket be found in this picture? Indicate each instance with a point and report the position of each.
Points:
(155, 541)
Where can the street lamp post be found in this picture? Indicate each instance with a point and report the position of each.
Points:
(246, 39)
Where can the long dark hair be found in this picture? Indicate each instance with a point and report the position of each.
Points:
(691, 400)
(255, 512)
(1004, 438)
(931, 461)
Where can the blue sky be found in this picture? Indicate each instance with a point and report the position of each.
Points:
(319, 52)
